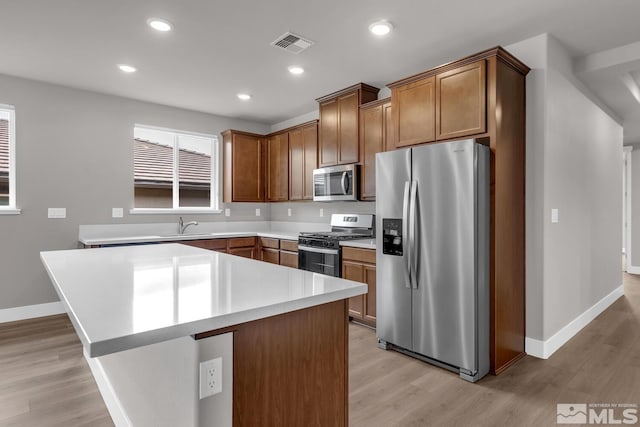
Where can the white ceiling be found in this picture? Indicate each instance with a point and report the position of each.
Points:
(220, 48)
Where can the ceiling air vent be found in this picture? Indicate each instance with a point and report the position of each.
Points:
(292, 43)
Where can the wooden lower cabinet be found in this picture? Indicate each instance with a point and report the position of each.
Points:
(249, 252)
(270, 255)
(289, 259)
(239, 246)
(359, 265)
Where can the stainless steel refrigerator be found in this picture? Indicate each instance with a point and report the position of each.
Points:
(432, 214)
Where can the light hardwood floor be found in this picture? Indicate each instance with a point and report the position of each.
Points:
(45, 381)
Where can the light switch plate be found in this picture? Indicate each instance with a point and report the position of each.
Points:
(57, 213)
(554, 216)
(257, 211)
(227, 212)
(289, 212)
(117, 212)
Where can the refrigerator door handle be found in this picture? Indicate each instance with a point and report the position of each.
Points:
(406, 245)
(413, 258)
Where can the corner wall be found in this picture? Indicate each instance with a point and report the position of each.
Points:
(574, 152)
(74, 150)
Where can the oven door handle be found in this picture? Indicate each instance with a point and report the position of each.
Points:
(318, 250)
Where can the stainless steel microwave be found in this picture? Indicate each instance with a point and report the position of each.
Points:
(335, 183)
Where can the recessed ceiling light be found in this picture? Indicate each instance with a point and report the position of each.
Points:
(294, 69)
(381, 28)
(244, 96)
(127, 68)
(159, 24)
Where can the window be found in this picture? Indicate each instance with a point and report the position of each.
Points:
(7, 159)
(175, 170)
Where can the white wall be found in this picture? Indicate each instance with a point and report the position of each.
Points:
(635, 210)
(74, 150)
(573, 164)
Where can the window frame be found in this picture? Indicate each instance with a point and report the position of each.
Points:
(11, 209)
(216, 175)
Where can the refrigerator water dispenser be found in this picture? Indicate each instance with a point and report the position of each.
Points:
(392, 236)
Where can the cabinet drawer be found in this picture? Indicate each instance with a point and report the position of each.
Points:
(267, 242)
(358, 254)
(289, 259)
(241, 242)
(289, 245)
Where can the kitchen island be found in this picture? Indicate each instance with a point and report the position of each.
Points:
(149, 315)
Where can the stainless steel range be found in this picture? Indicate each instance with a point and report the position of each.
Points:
(320, 252)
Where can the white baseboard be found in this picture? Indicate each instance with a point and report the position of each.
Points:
(117, 412)
(31, 311)
(544, 349)
(632, 269)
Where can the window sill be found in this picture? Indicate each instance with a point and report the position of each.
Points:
(7, 211)
(162, 211)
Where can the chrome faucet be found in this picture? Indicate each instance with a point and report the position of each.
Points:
(182, 226)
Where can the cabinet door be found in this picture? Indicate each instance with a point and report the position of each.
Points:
(328, 143)
(247, 168)
(388, 127)
(461, 101)
(369, 313)
(371, 142)
(270, 255)
(296, 165)
(310, 149)
(278, 168)
(243, 252)
(414, 112)
(348, 113)
(289, 259)
(354, 271)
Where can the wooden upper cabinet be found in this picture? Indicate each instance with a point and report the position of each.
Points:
(348, 116)
(310, 148)
(375, 123)
(339, 124)
(303, 159)
(296, 165)
(278, 167)
(414, 112)
(243, 167)
(328, 143)
(461, 107)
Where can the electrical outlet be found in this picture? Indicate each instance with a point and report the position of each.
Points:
(227, 212)
(289, 212)
(321, 212)
(57, 213)
(257, 211)
(210, 377)
(117, 212)
(554, 216)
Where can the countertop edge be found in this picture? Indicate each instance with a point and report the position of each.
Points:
(128, 342)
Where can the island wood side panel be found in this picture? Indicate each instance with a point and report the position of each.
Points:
(291, 369)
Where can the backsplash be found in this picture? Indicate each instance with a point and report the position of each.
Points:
(310, 211)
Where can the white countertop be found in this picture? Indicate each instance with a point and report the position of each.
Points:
(143, 238)
(360, 243)
(126, 297)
